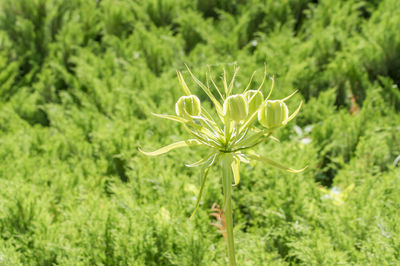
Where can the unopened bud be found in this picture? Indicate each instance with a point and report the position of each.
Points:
(235, 108)
(188, 106)
(254, 100)
(273, 114)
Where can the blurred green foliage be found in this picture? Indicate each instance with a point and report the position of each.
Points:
(79, 80)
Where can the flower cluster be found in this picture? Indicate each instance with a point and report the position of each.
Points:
(244, 121)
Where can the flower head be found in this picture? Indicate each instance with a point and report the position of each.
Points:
(254, 99)
(235, 108)
(188, 106)
(228, 137)
(273, 114)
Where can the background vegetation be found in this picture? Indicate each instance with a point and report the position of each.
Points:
(79, 79)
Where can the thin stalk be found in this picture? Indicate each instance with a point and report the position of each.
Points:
(226, 162)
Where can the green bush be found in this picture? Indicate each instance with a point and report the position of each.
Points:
(80, 79)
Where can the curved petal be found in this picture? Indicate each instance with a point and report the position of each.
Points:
(248, 84)
(272, 88)
(290, 96)
(198, 163)
(294, 113)
(182, 82)
(232, 80)
(265, 76)
(242, 158)
(179, 144)
(171, 117)
(274, 138)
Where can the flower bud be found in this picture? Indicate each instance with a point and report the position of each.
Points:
(188, 106)
(273, 114)
(254, 100)
(235, 108)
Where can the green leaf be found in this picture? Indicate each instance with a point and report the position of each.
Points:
(212, 160)
(251, 139)
(236, 169)
(273, 163)
(201, 137)
(179, 144)
(203, 181)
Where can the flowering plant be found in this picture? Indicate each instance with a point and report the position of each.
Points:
(229, 136)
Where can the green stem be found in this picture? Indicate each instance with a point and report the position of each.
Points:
(226, 160)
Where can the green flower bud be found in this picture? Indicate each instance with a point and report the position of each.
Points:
(254, 100)
(188, 106)
(273, 114)
(235, 108)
